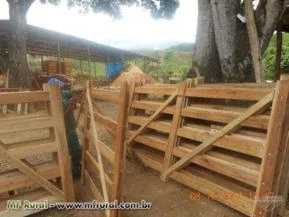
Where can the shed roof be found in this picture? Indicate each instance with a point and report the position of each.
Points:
(50, 43)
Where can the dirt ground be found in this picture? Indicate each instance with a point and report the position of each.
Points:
(169, 199)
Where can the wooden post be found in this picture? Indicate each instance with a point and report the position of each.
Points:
(278, 55)
(94, 66)
(85, 142)
(81, 69)
(88, 54)
(120, 152)
(97, 145)
(41, 63)
(58, 57)
(254, 41)
(173, 138)
(273, 141)
(56, 109)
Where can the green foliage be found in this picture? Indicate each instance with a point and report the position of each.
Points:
(98, 72)
(172, 64)
(188, 47)
(163, 9)
(269, 57)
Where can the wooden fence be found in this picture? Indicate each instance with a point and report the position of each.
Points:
(33, 149)
(103, 163)
(226, 141)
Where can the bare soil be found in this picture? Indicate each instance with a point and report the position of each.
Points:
(169, 199)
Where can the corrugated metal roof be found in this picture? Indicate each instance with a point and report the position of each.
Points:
(50, 43)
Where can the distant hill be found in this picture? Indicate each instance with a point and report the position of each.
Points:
(188, 47)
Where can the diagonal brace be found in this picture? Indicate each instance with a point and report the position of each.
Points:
(30, 172)
(152, 117)
(230, 127)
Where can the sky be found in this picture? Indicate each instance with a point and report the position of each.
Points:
(136, 29)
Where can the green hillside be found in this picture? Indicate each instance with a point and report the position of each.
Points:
(171, 63)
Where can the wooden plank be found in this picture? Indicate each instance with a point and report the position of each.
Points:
(172, 141)
(271, 154)
(236, 168)
(23, 97)
(120, 148)
(97, 145)
(228, 168)
(164, 90)
(105, 95)
(84, 142)
(105, 151)
(151, 106)
(30, 172)
(15, 179)
(209, 185)
(56, 109)
(27, 149)
(258, 121)
(161, 126)
(254, 41)
(89, 158)
(96, 193)
(108, 123)
(152, 117)
(15, 125)
(278, 54)
(238, 93)
(207, 145)
(235, 142)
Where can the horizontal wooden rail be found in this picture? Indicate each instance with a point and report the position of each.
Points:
(23, 97)
(16, 179)
(234, 167)
(93, 162)
(257, 121)
(108, 123)
(228, 93)
(24, 124)
(105, 95)
(156, 90)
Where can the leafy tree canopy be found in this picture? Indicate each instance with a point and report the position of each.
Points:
(163, 9)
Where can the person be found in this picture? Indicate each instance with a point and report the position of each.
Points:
(68, 103)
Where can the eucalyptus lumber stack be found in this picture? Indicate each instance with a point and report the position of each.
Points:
(50, 67)
(222, 140)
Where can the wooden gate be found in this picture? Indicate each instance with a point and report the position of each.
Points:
(103, 163)
(222, 140)
(34, 152)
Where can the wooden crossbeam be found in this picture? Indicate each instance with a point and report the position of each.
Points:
(96, 143)
(152, 117)
(30, 172)
(230, 127)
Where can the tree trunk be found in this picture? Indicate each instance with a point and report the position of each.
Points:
(205, 56)
(20, 75)
(222, 50)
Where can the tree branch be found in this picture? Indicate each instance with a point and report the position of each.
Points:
(28, 4)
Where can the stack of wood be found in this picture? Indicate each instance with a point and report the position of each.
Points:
(226, 141)
(66, 68)
(50, 67)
